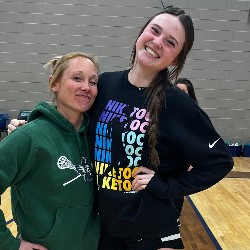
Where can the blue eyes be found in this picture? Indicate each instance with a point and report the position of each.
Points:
(93, 83)
(77, 79)
(80, 79)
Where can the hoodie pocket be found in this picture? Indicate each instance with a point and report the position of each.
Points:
(71, 226)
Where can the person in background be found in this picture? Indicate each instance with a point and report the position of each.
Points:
(145, 134)
(187, 87)
(48, 167)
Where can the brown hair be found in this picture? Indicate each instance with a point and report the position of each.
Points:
(60, 63)
(156, 89)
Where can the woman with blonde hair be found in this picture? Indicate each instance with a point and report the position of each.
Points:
(48, 167)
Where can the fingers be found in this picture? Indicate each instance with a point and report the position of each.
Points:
(29, 246)
(11, 128)
(14, 123)
(138, 185)
(142, 178)
(21, 122)
(143, 170)
(38, 247)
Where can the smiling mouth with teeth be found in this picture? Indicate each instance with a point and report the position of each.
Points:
(151, 52)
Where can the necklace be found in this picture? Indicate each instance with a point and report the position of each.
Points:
(140, 88)
(130, 81)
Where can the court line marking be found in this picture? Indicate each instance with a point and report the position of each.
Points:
(204, 224)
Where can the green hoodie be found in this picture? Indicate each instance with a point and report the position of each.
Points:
(46, 164)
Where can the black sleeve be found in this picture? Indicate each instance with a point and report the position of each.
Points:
(197, 141)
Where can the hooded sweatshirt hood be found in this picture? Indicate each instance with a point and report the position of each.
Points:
(52, 114)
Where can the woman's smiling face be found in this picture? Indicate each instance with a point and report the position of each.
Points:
(77, 88)
(160, 43)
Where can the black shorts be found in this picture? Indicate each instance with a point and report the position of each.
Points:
(108, 242)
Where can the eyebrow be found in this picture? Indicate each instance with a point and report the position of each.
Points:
(81, 72)
(159, 27)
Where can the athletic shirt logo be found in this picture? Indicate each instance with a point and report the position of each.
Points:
(130, 125)
(82, 170)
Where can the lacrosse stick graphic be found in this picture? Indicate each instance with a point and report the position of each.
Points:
(64, 163)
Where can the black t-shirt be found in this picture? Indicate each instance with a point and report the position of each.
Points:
(118, 134)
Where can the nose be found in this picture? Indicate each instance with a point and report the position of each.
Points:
(85, 85)
(157, 42)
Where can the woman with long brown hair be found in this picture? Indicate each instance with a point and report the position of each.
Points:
(145, 135)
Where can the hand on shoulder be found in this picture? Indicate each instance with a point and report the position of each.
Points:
(14, 123)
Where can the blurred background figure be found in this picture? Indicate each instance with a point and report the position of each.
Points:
(186, 86)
